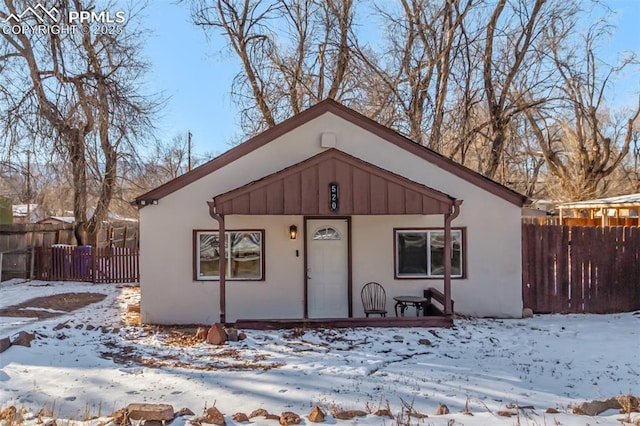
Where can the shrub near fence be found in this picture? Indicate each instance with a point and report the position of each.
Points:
(580, 269)
(85, 263)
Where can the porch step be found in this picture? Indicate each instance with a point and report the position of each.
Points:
(274, 324)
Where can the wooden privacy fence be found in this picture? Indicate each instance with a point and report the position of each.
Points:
(581, 221)
(18, 243)
(86, 263)
(580, 269)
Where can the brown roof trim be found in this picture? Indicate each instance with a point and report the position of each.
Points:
(430, 155)
(354, 117)
(238, 151)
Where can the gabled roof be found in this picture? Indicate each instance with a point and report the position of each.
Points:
(353, 117)
(362, 189)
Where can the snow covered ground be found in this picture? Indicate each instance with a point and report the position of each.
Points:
(91, 362)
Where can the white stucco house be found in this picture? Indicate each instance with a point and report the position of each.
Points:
(313, 209)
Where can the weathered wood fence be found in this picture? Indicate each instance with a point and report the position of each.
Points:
(580, 269)
(86, 263)
(18, 243)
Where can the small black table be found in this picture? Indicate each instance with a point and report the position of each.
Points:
(403, 302)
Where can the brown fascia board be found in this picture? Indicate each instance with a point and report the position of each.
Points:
(237, 152)
(329, 105)
(342, 156)
(430, 155)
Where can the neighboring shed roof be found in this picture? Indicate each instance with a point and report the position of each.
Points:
(363, 189)
(353, 117)
(61, 219)
(630, 200)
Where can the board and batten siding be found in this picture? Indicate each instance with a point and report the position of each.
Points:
(361, 189)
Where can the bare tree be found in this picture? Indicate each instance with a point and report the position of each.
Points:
(78, 95)
(162, 161)
(294, 53)
(523, 165)
(459, 71)
(630, 170)
(581, 141)
(165, 160)
(509, 43)
(422, 41)
(17, 180)
(469, 78)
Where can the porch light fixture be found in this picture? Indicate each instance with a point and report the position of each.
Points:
(293, 232)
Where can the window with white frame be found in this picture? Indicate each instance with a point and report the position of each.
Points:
(419, 253)
(244, 254)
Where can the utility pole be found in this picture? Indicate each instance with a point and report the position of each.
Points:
(28, 186)
(188, 150)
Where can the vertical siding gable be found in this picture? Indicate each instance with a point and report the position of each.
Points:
(364, 189)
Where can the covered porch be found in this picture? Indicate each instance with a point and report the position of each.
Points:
(432, 316)
(326, 194)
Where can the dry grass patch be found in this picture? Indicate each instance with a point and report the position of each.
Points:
(65, 302)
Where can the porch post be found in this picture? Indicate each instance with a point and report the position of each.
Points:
(448, 218)
(222, 259)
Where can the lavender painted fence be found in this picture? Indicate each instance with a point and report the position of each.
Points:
(84, 263)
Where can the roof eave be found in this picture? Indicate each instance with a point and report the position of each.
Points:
(329, 105)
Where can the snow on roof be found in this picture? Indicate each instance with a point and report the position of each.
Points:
(69, 218)
(21, 209)
(65, 219)
(118, 218)
(630, 200)
(111, 216)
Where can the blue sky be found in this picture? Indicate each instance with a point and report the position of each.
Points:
(196, 73)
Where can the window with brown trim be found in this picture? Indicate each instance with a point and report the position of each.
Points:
(419, 253)
(244, 255)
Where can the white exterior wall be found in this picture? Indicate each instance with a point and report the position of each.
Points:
(493, 283)
(173, 297)
(170, 296)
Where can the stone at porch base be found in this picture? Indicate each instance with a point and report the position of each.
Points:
(216, 335)
(157, 412)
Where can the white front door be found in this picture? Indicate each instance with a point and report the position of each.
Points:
(327, 268)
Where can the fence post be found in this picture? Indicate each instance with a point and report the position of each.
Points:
(93, 264)
(31, 262)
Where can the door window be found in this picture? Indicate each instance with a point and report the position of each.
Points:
(326, 233)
